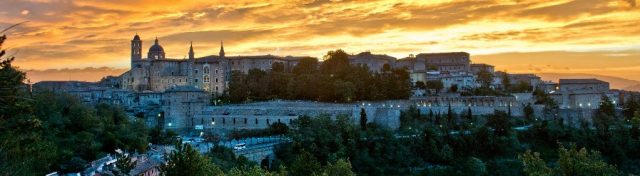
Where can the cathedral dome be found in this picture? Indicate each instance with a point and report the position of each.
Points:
(156, 51)
(156, 48)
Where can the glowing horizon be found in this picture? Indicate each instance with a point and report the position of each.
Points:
(560, 36)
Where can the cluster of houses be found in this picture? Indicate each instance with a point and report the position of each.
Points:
(175, 93)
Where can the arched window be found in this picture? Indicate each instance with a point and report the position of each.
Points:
(206, 70)
(206, 78)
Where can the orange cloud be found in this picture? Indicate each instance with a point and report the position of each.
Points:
(86, 33)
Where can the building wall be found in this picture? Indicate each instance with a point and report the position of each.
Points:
(451, 62)
(585, 87)
(181, 108)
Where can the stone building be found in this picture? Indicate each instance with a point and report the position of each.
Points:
(450, 62)
(531, 79)
(375, 62)
(463, 80)
(210, 73)
(158, 73)
(264, 62)
(582, 93)
(476, 68)
(180, 106)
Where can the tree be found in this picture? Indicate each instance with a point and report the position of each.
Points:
(254, 171)
(386, 67)
(521, 86)
(336, 63)
(453, 88)
(187, 161)
(225, 159)
(534, 165)
(278, 128)
(499, 121)
(630, 107)
(570, 162)
(277, 67)
(238, 89)
(474, 166)
(485, 77)
(340, 168)
(420, 85)
(506, 81)
(436, 85)
(363, 119)
(345, 91)
(450, 116)
(528, 112)
(635, 126)
(306, 66)
(605, 115)
(24, 149)
(550, 109)
(469, 114)
(304, 164)
(606, 106)
(124, 164)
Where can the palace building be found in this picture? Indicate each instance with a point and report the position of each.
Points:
(157, 73)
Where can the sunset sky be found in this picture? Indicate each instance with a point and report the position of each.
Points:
(84, 40)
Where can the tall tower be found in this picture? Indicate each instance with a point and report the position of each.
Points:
(221, 49)
(191, 65)
(136, 48)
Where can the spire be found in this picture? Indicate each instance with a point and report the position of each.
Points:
(191, 47)
(191, 54)
(156, 40)
(221, 49)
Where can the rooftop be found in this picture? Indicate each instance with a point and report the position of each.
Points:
(582, 81)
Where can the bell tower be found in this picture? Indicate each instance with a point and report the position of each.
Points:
(136, 48)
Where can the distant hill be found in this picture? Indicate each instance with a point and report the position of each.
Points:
(615, 82)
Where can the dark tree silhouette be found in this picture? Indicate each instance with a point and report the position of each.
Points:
(363, 119)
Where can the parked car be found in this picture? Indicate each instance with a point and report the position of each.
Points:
(240, 146)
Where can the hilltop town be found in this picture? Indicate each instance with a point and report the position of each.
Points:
(219, 100)
(181, 91)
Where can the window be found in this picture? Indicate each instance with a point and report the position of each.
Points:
(216, 80)
(256, 121)
(234, 120)
(245, 120)
(196, 80)
(206, 70)
(216, 71)
(206, 78)
(224, 120)
(196, 71)
(267, 121)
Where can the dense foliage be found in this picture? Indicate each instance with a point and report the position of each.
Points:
(46, 132)
(497, 144)
(335, 80)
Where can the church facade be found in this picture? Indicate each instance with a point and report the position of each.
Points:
(156, 73)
